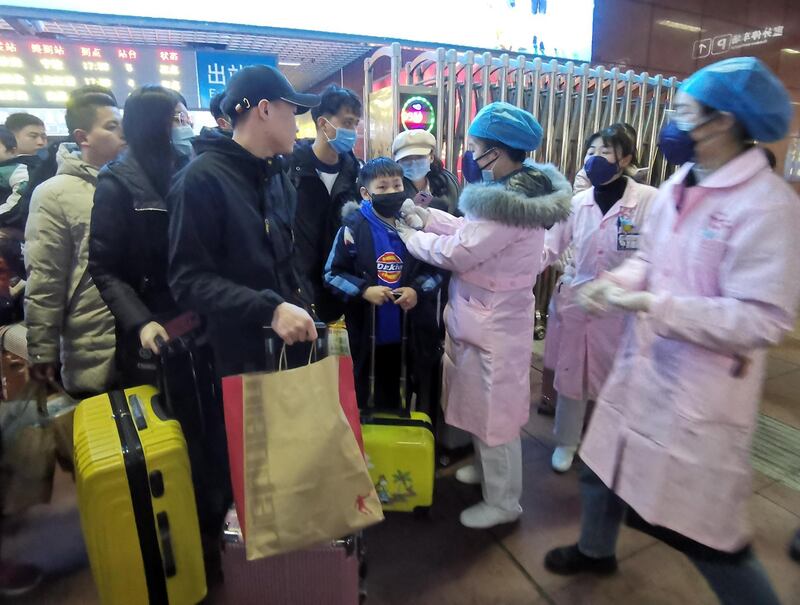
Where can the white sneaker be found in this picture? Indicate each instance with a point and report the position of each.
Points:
(469, 474)
(563, 457)
(484, 516)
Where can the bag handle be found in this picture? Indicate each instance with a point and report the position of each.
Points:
(283, 364)
(317, 352)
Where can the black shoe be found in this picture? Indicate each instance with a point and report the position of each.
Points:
(568, 560)
(794, 548)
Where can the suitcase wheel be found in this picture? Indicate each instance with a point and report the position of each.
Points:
(422, 513)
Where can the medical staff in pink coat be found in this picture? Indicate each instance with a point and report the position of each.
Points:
(604, 230)
(494, 253)
(715, 283)
(565, 265)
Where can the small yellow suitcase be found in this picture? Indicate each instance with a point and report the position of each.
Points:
(400, 459)
(399, 445)
(136, 500)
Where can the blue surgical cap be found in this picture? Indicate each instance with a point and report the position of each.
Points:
(507, 124)
(745, 87)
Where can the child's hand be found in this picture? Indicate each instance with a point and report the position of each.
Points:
(377, 295)
(408, 298)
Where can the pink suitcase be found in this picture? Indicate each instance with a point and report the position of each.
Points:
(324, 575)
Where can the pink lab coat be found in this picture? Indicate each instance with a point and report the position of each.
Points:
(673, 426)
(489, 315)
(552, 339)
(588, 344)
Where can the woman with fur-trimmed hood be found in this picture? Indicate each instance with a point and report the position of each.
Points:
(494, 253)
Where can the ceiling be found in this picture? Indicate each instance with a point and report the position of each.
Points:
(318, 58)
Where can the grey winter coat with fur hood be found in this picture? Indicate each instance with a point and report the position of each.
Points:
(495, 254)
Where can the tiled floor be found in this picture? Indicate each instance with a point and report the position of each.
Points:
(436, 561)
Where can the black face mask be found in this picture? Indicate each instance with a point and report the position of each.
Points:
(388, 204)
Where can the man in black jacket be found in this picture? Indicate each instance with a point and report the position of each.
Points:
(231, 213)
(324, 172)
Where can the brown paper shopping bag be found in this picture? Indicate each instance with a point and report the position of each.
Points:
(305, 480)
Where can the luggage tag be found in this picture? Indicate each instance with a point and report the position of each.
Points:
(627, 231)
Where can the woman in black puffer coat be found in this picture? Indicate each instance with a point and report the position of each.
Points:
(128, 240)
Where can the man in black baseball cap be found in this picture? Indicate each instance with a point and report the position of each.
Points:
(260, 82)
(231, 214)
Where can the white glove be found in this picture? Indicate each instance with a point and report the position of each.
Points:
(593, 296)
(404, 231)
(630, 301)
(565, 260)
(414, 216)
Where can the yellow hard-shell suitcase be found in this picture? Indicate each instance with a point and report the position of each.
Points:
(136, 500)
(399, 445)
(400, 458)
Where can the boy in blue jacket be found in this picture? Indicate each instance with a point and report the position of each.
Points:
(369, 265)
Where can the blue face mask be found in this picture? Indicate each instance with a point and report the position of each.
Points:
(344, 141)
(182, 139)
(473, 172)
(675, 140)
(599, 170)
(470, 169)
(416, 170)
(676, 144)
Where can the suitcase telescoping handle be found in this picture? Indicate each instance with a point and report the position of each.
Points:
(403, 365)
(164, 351)
(276, 349)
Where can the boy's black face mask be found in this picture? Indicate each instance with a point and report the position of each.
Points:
(388, 204)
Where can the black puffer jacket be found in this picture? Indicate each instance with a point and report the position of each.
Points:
(128, 255)
(210, 133)
(317, 220)
(231, 247)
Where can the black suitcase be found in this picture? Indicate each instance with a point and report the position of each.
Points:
(193, 397)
